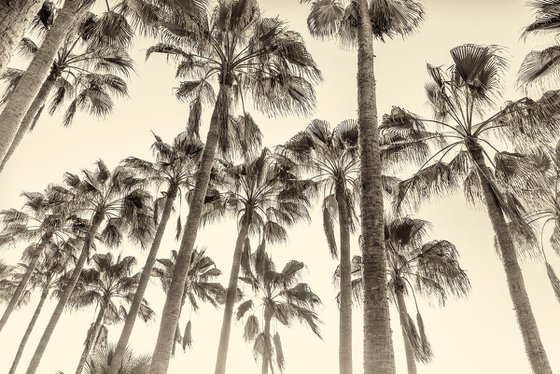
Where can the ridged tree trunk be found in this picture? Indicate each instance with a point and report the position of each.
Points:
(516, 284)
(409, 352)
(266, 331)
(30, 327)
(223, 345)
(172, 307)
(345, 326)
(57, 313)
(91, 339)
(36, 73)
(379, 357)
(143, 282)
(15, 16)
(30, 117)
(14, 300)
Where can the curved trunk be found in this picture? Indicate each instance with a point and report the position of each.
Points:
(57, 313)
(378, 346)
(345, 327)
(266, 360)
(516, 284)
(91, 339)
(15, 16)
(143, 283)
(172, 307)
(23, 283)
(36, 73)
(221, 360)
(23, 342)
(403, 315)
(30, 117)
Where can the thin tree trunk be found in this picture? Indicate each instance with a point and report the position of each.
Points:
(403, 315)
(378, 345)
(266, 331)
(223, 345)
(172, 307)
(516, 284)
(23, 342)
(91, 339)
(23, 283)
(36, 359)
(345, 327)
(126, 332)
(30, 117)
(36, 73)
(15, 16)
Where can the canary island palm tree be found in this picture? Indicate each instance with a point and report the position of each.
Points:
(266, 198)
(98, 362)
(461, 98)
(357, 23)
(429, 268)
(242, 52)
(115, 204)
(277, 296)
(109, 285)
(200, 287)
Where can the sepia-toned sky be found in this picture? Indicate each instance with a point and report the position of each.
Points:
(476, 335)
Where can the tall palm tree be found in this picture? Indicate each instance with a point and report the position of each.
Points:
(277, 296)
(430, 268)
(265, 197)
(461, 98)
(245, 53)
(357, 23)
(109, 285)
(115, 203)
(199, 288)
(99, 361)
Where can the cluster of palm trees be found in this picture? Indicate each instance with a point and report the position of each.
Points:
(231, 58)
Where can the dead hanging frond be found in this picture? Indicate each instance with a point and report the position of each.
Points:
(187, 336)
(251, 328)
(425, 344)
(329, 206)
(280, 361)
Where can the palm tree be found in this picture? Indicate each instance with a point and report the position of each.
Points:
(99, 361)
(461, 97)
(357, 23)
(109, 285)
(6, 281)
(199, 288)
(245, 52)
(278, 296)
(415, 266)
(115, 204)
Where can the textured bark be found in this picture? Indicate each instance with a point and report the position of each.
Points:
(36, 73)
(403, 315)
(378, 345)
(143, 283)
(172, 307)
(23, 283)
(91, 339)
(30, 327)
(266, 331)
(57, 313)
(516, 284)
(223, 345)
(15, 16)
(30, 117)
(345, 326)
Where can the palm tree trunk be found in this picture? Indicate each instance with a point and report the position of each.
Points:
(36, 359)
(518, 293)
(15, 16)
(23, 283)
(143, 282)
(266, 331)
(30, 83)
(345, 327)
(223, 345)
(403, 315)
(379, 357)
(91, 338)
(172, 307)
(30, 117)
(23, 342)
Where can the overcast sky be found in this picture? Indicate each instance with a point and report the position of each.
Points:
(478, 335)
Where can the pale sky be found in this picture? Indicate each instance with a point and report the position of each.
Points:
(476, 335)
